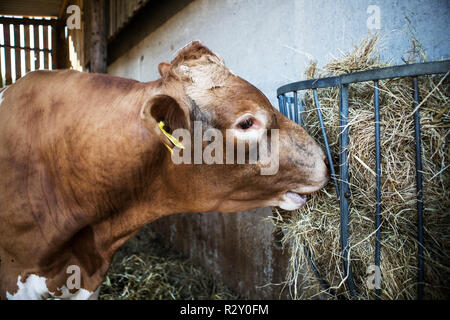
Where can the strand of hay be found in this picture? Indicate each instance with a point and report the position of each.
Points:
(145, 269)
(317, 225)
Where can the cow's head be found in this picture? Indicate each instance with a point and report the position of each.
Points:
(196, 92)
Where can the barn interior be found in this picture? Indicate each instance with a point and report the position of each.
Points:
(204, 255)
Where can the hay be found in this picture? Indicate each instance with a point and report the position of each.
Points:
(316, 226)
(145, 269)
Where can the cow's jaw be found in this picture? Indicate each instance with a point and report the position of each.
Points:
(292, 201)
(295, 199)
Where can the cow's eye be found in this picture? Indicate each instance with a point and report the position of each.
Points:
(245, 124)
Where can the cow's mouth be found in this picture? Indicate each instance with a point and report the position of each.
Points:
(297, 198)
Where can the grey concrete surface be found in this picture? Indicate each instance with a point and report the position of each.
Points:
(270, 42)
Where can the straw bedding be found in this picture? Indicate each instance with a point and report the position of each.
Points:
(316, 226)
(146, 269)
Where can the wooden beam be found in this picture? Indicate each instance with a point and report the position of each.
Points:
(54, 46)
(46, 47)
(1, 76)
(62, 10)
(37, 54)
(26, 21)
(61, 49)
(6, 35)
(26, 29)
(98, 44)
(17, 53)
(147, 19)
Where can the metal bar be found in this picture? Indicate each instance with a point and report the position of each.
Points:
(292, 109)
(325, 140)
(288, 107)
(378, 192)
(409, 70)
(419, 191)
(322, 282)
(309, 84)
(281, 97)
(300, 116)
(296, 107)
(344, 192)
(279, 102)
(284, 105)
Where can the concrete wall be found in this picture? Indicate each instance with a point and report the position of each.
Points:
(240, 248)
(270, 43)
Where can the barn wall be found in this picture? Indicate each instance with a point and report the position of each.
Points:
(240, 248)
(270, 43)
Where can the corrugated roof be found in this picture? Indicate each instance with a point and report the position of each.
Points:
(42, 8)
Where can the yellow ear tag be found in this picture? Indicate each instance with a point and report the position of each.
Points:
(170, 137)
(171, 151)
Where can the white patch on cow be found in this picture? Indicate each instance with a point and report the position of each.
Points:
(35, 288)
(186, 72)
(81, 294)
(205, 73)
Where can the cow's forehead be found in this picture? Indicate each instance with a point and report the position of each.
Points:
(232, 93)
(211, 85)
(193, 51)
(205, 73)
(205, 76)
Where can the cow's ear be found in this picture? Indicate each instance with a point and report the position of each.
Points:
(164, 69)
(167, 109)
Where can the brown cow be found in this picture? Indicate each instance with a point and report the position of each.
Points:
(83, 166)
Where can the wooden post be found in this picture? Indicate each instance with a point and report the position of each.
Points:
(53, 53)
(98, 43)
(17, 53)
(37, 51)
(27, 44)
(61, 49)
(46, 61)
(6, 30)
